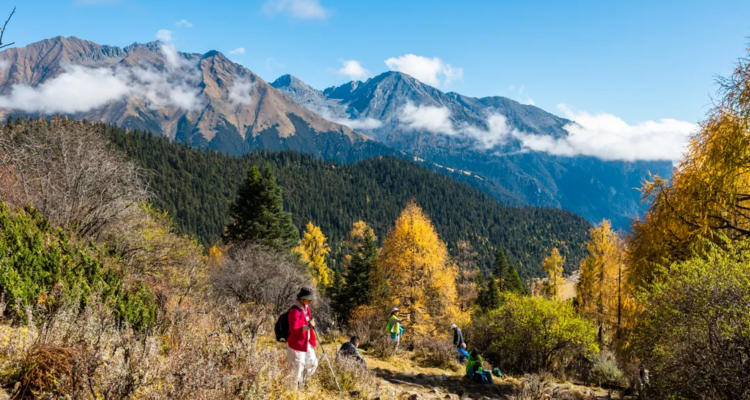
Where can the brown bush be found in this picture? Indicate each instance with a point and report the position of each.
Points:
(352, 376)
(368, 323)
(437, 353)
(69, 171)
(255, 273)
(46, 369)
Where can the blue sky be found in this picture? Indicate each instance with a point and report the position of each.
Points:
(637, 60)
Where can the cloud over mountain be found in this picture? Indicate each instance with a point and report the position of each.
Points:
(428, 70)
(603, 136)
(353, 70)
(82, 89)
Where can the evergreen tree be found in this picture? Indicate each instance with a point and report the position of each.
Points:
(336, 292)
(489, 297)
(506, 275)
(500, 266)
(258, 215)
(512, 281)
(357, 290)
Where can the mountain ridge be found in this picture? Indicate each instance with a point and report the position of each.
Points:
(235, 110)
(589, 186)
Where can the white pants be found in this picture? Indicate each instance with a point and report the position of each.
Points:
(302, 364)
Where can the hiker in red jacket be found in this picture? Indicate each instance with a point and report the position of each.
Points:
(301, 343)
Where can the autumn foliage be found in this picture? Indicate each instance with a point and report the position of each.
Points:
(415, 273)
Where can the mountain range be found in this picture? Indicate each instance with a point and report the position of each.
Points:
(388, 107)
(208, 101)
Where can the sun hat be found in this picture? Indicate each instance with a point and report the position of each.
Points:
(306, 293)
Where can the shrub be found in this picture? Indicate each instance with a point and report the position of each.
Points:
(46, 369)
(383, 346)
(69, 171)
(352, 376)
(368, 323)
(533, 334)
(438, 353)
(605, 371)
(253, 273)
(42, 268)
(693, 331)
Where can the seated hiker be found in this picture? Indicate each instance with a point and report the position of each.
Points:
(463, 355)
(394, 327)
(474, 370)
(351, 349)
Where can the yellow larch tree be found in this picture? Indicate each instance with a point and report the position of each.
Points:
(553, 265)
(602, 291)
(313, 250)
(413, 272)
(709, 193)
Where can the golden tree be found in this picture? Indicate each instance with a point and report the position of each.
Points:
(602, 292)
(709, 194)
(313, 250)
(553, 264)
(413, 271)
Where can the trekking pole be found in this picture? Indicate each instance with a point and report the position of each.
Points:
(335, 379)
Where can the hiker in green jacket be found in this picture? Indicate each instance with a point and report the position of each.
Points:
(474, 370)
(394, 327)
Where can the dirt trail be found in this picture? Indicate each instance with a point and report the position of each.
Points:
(434, 383)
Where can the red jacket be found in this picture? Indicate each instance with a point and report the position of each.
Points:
(298, 336)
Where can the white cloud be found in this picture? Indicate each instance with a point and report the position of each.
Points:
(430, 118)
(82, 89)
(609, 137)
(239, 50)
(4, 64)
(427, 70)
(185, 23)
(604, 136)
(164, 35)
(358, 124)
(300, 9)
(76, 90)
(354, 70)
(240, 92)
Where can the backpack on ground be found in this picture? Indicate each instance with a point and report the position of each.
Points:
(281, 328)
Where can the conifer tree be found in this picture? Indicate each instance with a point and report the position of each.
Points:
(257, 214)
(553, 264)
(500, 266)
(313, 250)
(361, 262)
(506, 275)
(489, 297)
(415, 273)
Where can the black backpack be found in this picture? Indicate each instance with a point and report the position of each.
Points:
(282, 326)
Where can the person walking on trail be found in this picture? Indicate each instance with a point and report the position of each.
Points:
(643, 381)
(301, 343)
(394, 327)
(458, 342)
(458, 337)
(351, 349)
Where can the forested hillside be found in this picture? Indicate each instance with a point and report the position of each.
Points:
(196, 188)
